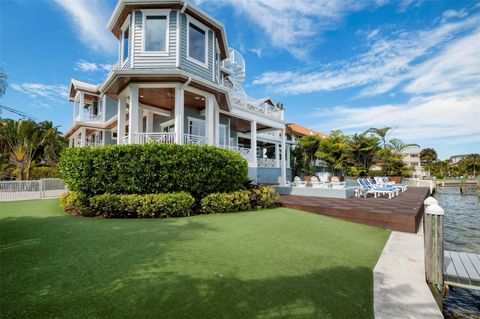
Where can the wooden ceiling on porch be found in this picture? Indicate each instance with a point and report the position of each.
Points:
(165, 99)
(243, 126)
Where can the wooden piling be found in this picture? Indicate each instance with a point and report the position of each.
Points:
(434, 251)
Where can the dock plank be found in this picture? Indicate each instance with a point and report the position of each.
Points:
(472, 272)
(462, 269)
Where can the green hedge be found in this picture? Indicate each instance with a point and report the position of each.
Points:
(142, 206)
(152, 168)
(129, 206)
(264, 197)
(225, 202)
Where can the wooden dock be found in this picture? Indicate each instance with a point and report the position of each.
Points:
(402, 213)
(462, 269)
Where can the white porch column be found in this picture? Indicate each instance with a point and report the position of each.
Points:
(75, 108)
(70, 142)
(277, 155)
(103, 137)
(140, 120)
(253, 142)
(82, 104)
(149, 122)
(179, 114)
(210, 120)
(121, 117)
(283, 162)
(217, 125)
(133, 115)
(83, 136)
(288, 155)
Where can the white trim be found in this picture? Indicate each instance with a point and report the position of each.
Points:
(166, 124)
(122, 41)
(132, 34)
(156, 12)
(214, 60)
(206, 30)
(177, 62)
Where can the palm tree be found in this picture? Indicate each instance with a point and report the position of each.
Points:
(427, 157)
(22, 139)
(398, 146)
(3, 82)
(381, 133)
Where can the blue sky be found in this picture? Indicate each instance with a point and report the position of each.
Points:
(350, 65)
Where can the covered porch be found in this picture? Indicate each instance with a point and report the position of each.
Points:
(181, 114)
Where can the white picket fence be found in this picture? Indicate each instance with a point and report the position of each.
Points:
(25, 190)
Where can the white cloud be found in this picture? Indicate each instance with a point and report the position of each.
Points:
(90, 19)
(449, 14)
(35, 90)
(434, 118)
(388, 62)
(373, 34)
(292, 24)
(93, 67)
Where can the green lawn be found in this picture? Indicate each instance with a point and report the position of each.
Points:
(276, 263)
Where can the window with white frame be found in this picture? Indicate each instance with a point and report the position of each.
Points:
(223, 137)
(155, 31)
(125, 41)
(196, 127)
(197, 42)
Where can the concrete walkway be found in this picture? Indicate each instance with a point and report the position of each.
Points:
(400, 290)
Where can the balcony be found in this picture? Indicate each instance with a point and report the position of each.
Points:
(89, 117)
(190, 139)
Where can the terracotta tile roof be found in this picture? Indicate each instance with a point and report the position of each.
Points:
(298, 130)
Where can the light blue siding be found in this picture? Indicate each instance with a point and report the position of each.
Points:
(192, 67)
(148, 60)
(110, 109)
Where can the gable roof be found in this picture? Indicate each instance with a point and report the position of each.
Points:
(298, 130)
(76, 85)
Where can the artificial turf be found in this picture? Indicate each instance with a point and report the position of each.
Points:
(277, 263)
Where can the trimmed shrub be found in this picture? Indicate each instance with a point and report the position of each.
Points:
(225, 202)
(263, 197)
(75, 204)
(153, 168)
(142, 206)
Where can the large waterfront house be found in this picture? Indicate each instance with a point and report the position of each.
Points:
(411, 158)
(177, 81)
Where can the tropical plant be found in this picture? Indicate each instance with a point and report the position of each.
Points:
(427, 157)
(363, 148)
(392, 164)
(398, 146)
(334, 150)
(27, 141)
(381, 133)
(280, 106)
(470, 164)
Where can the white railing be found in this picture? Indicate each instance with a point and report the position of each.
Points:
(146, 138)
(266, 162)
(25, 190)
(124, 140)
(94, 117)
(246, 153)
(89, 143)
(190, 139)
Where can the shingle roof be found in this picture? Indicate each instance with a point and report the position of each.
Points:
(299, 130)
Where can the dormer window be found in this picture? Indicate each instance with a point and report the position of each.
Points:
(197, 43)
(155, 31)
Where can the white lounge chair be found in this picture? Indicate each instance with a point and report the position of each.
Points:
(297, 182)
(317, 183)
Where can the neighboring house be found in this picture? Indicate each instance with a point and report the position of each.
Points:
(411, 157)
(457, 158)
(295, 131)
(177, 81)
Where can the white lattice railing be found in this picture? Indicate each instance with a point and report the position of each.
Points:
(246, 153)
(163, 138)
(266, 162)
(95, 117)
(190, 139)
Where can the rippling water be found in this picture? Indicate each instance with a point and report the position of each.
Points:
(462, 233)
